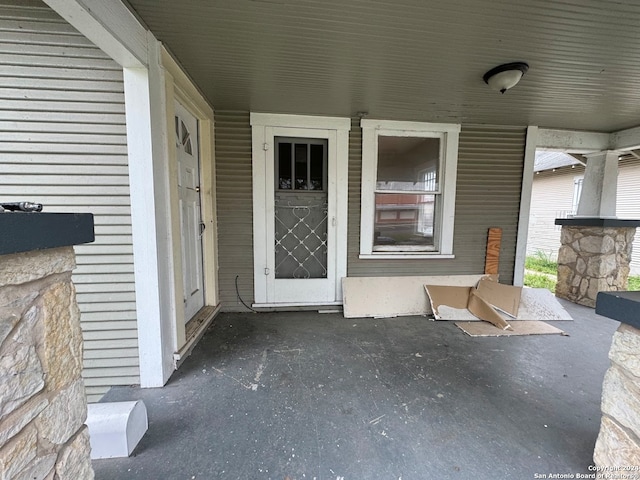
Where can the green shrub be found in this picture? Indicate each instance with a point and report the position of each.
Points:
(541, 262)
(536, 280)
(634, 283)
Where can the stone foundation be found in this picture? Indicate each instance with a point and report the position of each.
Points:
(618, 443)
(42, 401)
(592, 260)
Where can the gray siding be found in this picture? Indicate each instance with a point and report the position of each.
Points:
(490, 169)
(63, 144)
(235, 204)
(490, 165)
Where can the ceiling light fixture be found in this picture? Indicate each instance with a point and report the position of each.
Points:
(504, 77)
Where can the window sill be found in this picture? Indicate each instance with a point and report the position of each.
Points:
(404, 256)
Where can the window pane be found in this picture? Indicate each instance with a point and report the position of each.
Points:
(301, 166)
(408, 163)
(317, 167)
(284, 166)
(404, 219)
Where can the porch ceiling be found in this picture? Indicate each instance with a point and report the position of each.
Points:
(411, 59)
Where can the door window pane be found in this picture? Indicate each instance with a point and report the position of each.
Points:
(316, 167)
(301, 167)
(284, 166)
(408, 164)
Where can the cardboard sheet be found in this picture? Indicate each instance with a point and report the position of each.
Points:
(381, 297)
(504, 297)
(532, 327)
(484, 311)
(459, 298)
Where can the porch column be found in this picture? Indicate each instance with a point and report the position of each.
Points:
(600, 185)
(596, 246)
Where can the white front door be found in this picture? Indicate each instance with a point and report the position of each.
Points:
(187, 150)
(299, 213)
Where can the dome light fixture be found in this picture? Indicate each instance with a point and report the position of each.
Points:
(504, 77)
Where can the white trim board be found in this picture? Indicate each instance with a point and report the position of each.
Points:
(525, 205)
(110, 25)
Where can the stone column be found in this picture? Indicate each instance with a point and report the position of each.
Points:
(594, 257)
(618, 443)
(42, 400)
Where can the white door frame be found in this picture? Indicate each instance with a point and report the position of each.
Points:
(265, 127)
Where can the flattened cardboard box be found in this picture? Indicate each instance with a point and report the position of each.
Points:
(483, 301)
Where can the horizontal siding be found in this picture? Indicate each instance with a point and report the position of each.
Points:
(489, 177)
(628, 205)
(235, 204)
(63, 144)
(551, 198)
(490, 165)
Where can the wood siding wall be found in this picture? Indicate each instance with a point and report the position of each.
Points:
(552, 197)
(63, 144)
(490, 169)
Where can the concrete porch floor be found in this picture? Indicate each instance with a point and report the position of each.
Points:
(317, 396)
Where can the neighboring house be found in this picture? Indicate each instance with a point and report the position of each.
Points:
(297, 186)
(557, 185)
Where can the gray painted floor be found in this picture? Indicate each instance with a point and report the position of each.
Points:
(317, 396)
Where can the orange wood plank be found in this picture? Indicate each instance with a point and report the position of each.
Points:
(492, 260)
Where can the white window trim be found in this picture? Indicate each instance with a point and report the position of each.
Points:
(371, 129)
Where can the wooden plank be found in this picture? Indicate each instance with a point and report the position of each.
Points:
(492, 259)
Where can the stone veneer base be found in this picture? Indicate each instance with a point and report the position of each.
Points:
(593, 259)
(43, 406)
(618, 443)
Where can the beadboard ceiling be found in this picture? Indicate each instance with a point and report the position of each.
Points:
(411, 59)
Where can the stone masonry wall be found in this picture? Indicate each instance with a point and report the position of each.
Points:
(592, 260)
(42, 402)
(618, 443)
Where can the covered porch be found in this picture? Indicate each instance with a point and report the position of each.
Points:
(309, 395)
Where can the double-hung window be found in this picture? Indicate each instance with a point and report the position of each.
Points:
(408, 189)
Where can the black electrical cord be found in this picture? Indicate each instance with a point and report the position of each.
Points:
(240, 298)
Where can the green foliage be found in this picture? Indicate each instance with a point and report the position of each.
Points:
(634, 283)
(536, 280)
(541, 262)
